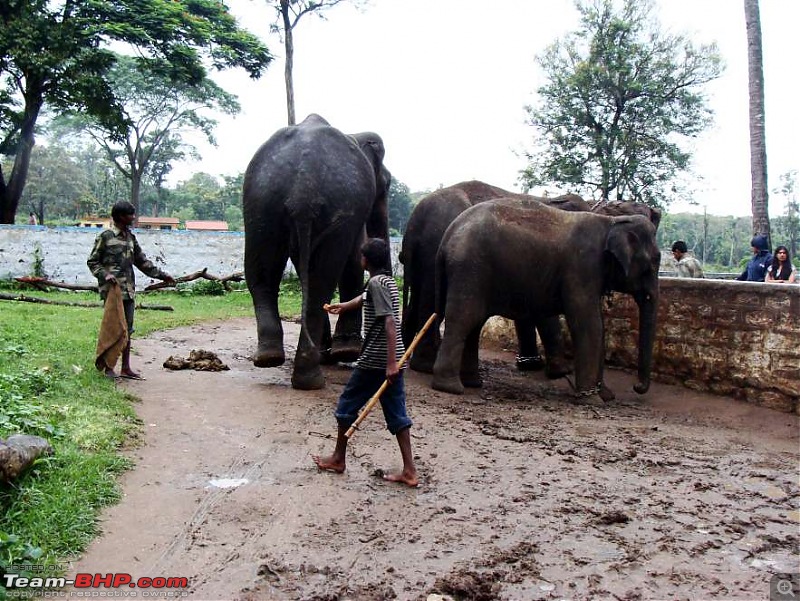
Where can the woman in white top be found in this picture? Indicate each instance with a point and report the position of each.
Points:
(781, 271)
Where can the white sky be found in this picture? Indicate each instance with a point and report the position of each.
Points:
(444, 83)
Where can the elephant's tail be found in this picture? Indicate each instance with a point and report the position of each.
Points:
(303, 233)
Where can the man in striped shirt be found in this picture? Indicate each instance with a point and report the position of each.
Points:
(380, 354)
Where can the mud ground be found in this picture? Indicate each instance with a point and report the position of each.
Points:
(523, 495)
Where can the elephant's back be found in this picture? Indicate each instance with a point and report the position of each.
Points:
(300, 165)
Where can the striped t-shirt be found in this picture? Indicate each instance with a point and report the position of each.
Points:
(380, 299)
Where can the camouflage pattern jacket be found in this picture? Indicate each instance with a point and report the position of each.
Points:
(116, 251)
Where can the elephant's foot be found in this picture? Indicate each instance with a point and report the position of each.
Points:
(534, 363)
(309, 379)
(471, 380)
(557, 367)
(345, 349)
(268, 357)
(606, 393)
(592, 400)
(452, 385)
(597, 396)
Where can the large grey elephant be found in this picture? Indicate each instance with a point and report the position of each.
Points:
(424, 232)
(519, 258)
(312, 194)
(425, 229)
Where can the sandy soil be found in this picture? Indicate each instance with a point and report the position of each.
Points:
(523, 495)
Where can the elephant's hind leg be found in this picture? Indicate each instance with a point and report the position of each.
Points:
(264, 271)
(470, 375)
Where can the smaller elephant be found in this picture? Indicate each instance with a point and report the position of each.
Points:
(522, 259)
(424, 232)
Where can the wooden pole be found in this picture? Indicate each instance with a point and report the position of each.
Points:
(376, 397)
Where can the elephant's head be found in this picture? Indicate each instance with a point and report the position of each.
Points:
(632, 267)
(371, 145)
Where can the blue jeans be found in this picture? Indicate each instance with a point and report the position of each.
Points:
(363, 383)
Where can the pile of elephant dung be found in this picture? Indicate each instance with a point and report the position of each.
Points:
(199, 360)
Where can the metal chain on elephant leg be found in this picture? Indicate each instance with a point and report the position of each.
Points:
(581, 394)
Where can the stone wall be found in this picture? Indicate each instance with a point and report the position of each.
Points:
(65, 250)
(738, 339)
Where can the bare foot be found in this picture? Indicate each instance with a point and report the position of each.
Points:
(329, 464)
(110, 374)
(409, 479)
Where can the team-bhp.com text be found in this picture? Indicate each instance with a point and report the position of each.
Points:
(84, 580)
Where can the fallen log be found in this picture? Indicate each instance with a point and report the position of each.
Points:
(236, 276)
(18, 452)
(44, 301)
(42, 283)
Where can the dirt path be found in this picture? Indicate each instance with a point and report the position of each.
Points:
(524, 495)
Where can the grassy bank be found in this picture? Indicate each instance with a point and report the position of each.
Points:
(50, 388)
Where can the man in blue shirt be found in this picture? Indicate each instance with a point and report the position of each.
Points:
(756, 269)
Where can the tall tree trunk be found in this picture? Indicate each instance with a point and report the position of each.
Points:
(287, 72)
(758, 144)
(12, 191)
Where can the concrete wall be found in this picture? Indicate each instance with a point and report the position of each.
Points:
(65, 250)
(739, 339)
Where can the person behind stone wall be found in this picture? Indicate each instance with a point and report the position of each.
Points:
(686, 265)
(756, 268)
(32, 220)
(781, 271)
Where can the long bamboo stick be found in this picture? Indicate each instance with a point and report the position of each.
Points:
(376, 397)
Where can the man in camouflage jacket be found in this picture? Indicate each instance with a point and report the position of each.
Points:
(111, 261)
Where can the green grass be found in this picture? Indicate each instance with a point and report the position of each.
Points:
(50, 388)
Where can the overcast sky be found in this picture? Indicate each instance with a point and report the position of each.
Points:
(445, 82)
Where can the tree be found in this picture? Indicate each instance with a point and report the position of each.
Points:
(789, 224)
(620, 97)
(400, 207)
(57, 184)
(202, 194)
(758, 143)
(157, 111)
(56, 54)
(289, 14)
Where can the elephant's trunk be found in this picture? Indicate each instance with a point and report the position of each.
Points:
(648, 312)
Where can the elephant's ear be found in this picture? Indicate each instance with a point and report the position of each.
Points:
(621, 243)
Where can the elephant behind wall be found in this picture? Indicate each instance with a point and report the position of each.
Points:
(312, 194)
(520, 258)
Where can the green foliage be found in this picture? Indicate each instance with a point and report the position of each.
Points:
(56, 55)
(400, 207)
(620, 97)
(19, 409)
(38, 261)
(155, 108)
(202, 288)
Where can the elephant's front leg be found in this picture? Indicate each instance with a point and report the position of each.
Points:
(347, 341)
(588, 339)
